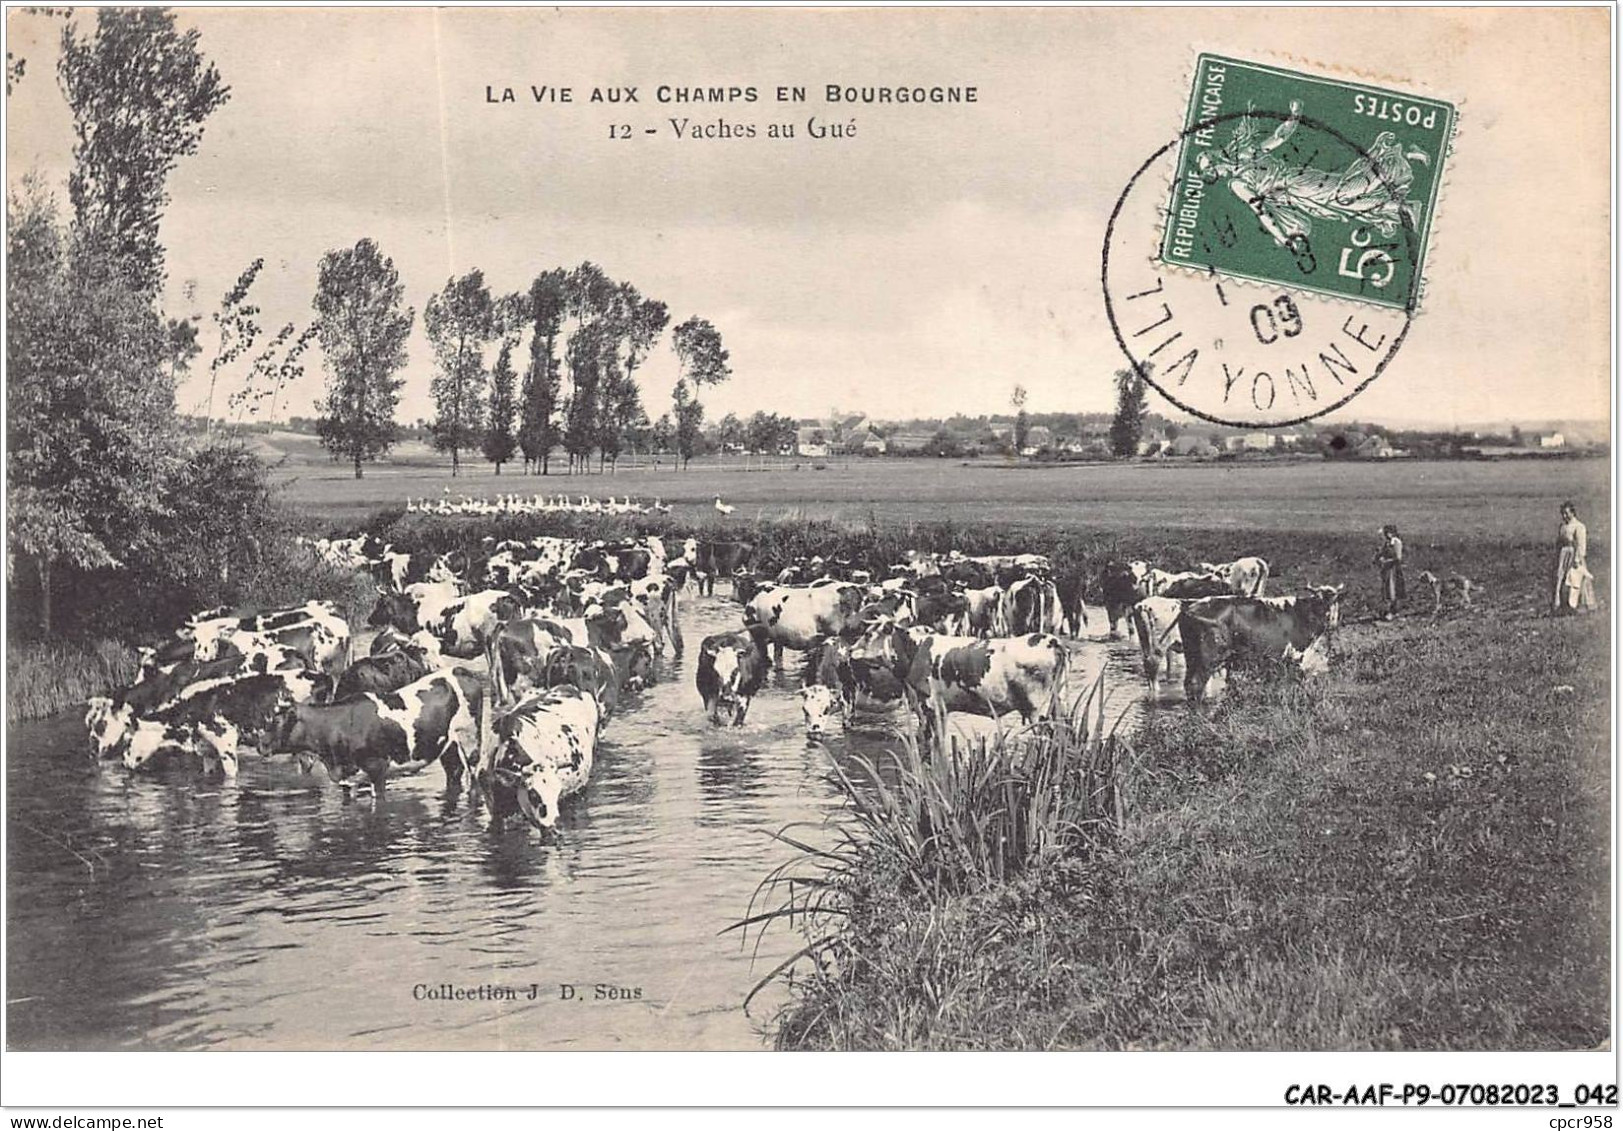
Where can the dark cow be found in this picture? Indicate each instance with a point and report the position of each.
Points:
(1189, 587)
(713, 558)
(388, 671)
(1121, 587)
(1073, 606)
(370, 736)
(541, 751)
(1218, 630)
(732, 669)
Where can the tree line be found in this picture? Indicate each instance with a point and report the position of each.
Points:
(578, 335)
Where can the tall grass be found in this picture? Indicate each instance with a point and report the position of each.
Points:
(947, 817)
(46, 678)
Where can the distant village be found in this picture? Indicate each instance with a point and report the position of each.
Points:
(1084, 436)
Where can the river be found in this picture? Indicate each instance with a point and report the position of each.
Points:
(273, 912)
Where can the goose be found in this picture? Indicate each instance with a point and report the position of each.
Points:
(724, 508)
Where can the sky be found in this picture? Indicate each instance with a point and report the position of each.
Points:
(923, 266)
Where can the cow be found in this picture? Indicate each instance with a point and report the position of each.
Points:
(220, 714)
(592, 670)
(1122, 587)
(820, 705)
(981, 609)
(520, 646)
(388, 671)
(1073, 605)
(322, 645)
(1029, 605)
(539, 752)
(466, 628)
(802, 617)
(109, 719)
(621, 631)
(372, 735)
(656, 594)
(714, 557)
(415, 607)
(1456, 586)
(732, 669)
(1192, 587)
(208, 631)
(1245, 577)
(1155, 621)
(982, 677)
(1218, 630)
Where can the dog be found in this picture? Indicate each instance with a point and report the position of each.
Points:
(1455, 585)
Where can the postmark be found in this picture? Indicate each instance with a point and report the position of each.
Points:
(1263, 266)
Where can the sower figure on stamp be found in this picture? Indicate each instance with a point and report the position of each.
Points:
(1574, 584)
(1390, 560)
(1287, 197)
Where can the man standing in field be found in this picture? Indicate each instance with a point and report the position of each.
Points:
(1389, 558)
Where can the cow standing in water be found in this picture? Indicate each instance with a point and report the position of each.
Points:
(732, 669)
(539, 752)
(981, 677)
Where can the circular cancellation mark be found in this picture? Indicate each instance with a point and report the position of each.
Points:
(1264, 342)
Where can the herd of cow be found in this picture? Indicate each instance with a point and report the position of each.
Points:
(566, 629)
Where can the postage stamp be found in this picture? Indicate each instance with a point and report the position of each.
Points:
(1316, 183)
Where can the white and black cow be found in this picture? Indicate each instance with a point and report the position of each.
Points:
(1031, 604)
(802, 617)
(1155, 621)
(981, 677)
(109, 720)
(539, 752)
(215, 717)
(732, 669)
(371, 736)
(1218, 630)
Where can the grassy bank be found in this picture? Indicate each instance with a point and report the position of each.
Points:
(1411, 853)
(44, 679)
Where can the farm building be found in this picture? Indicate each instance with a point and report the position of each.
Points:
(811, 440)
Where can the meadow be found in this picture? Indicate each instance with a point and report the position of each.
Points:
(1444, 501)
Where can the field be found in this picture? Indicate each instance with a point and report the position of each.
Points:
(1433, 501)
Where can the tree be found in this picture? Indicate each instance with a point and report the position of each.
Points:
(663, 433)
(1128, 425)
(731, 433)
(461, 321)
(633, 326)
(363, 333)
(703, 362)
(1022, 420)
(500, 443)
(140, 93)
(689, 420)
(236, 329)
(90, 398)
(538, 426)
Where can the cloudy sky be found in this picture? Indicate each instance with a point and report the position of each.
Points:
(923, 266)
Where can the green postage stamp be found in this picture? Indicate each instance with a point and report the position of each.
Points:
(1308, 182)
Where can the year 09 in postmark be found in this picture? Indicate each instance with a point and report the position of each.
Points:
(1264, 265)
